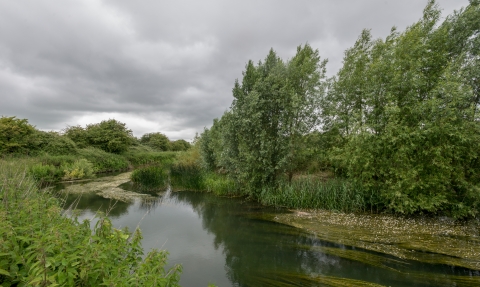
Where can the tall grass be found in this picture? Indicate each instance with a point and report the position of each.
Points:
(151, 177)
(104, 161)
(219, 184)
(40, 247)
(139, 158)
(189, 177)
(335, 194)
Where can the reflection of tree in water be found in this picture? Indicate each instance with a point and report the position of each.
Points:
(253, 246)
(150, 203)
(260, 252)
(94, 203)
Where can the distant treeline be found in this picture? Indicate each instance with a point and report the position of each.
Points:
(400, 119)
(17, 136)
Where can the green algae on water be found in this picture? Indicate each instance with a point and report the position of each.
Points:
(428, 240)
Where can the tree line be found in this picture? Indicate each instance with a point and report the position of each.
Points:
(17, 136)
(400, 118)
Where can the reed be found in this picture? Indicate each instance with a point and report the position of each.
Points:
(307, 192)
(151, 177)
(186, 176)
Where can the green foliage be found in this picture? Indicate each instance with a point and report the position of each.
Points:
(78, 135)
(103, 161)
(407, 111)
(400, 120)
(157, 141)
(308, 192)
(45, 172)
(151, 177)
(110, 136)
(52, 143)
(274, 108)
(219, 184)
(41, 247)
(145, 158)
(179, 145)
(80, 169)
(14, 135)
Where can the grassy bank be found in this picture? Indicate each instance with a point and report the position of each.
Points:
(85, 163)
(40, 247)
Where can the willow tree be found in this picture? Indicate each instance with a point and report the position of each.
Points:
(274, 107)
(407, 108)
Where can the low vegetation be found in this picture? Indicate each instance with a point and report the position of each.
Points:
(41, 247)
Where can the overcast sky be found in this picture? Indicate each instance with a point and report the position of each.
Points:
(166, 66)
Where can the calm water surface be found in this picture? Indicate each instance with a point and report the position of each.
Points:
(231, 242)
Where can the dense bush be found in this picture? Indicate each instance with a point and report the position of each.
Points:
(157, 141)
(41, 247)
(110, 136)
(80, 169)
(179, 145)
(103, 161)
(51, 143)
(14, 135)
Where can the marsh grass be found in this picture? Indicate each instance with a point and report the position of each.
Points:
(151, 178)
(219, 184)
(184, 176)
(309, 192)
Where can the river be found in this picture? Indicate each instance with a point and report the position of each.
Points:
(234, 242)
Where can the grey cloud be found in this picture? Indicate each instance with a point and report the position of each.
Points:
(164, 64)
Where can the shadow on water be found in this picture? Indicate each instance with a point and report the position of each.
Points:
(233, 242)
(258, 250)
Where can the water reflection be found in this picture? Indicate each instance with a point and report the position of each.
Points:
(231, 242)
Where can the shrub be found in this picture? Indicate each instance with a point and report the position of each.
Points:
(80, 169)
(157, 141)
(103, 161)
(152, 157)
(14, 134)
(52, 143)
(45, 173)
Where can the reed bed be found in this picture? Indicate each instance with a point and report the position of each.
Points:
(302, 193)
(151, 177)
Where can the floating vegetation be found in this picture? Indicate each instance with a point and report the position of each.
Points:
(428, 240)
(282, 278)
(107, 187)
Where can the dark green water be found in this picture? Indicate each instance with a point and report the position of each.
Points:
(231, 242)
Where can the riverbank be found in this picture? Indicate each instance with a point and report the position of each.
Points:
(39, 246)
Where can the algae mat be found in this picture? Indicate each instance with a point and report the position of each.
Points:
(107, 187)
(428, 240)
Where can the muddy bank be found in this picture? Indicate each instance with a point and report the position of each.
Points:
(434, 241)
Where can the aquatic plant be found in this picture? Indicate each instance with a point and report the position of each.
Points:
(151, 177)
(310, 192)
